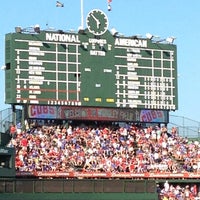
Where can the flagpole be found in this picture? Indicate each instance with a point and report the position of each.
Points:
(82, 17)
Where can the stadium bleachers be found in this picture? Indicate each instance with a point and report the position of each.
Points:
(56, 149)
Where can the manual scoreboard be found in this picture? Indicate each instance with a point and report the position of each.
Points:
(94, 67)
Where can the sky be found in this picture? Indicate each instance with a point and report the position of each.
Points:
(178, 18)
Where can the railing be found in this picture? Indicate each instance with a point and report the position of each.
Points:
(186, 126)
(6, 119)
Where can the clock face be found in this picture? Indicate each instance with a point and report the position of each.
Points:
(97, 22)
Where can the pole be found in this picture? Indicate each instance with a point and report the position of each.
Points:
(82, 17)
(13, 114)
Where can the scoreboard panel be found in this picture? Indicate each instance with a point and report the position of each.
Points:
(83, 69)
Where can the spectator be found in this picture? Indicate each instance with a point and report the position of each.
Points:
(13, 131)
(107, 149)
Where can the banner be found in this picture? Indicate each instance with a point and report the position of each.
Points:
(97, 113)
(147, 175)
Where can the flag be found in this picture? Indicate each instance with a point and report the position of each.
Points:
(59, 4)
(109, 6)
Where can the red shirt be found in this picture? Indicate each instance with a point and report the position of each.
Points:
(13, 129)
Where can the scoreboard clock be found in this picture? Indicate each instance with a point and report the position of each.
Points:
(75, 69)
(97, 22)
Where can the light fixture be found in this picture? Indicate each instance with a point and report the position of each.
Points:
(114, 32)
(149, 36)
(154, 38)
(31, 29)
(3, 67)
(81, 30)
(157, 39)
(18, 29)
(2, 164)
(37, 28)
(170, 40)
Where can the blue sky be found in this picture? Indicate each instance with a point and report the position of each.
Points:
(130, 17)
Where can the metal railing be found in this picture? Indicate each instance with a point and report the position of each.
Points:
(186, 127)
(6, 119)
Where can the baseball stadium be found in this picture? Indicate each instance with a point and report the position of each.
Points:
(89, 117)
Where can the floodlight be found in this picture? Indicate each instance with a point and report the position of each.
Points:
(170, 40)
(37, 28)
(3, 67)
(18, 29)
(149, 36)
(114, 32)
(30, 29)
(81, 30)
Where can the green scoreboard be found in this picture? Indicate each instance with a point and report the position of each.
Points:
(94, 67)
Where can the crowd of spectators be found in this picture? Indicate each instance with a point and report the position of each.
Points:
(178, 192)
(105, 149)
(115, 149)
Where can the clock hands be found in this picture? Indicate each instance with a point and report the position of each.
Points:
(97, 21)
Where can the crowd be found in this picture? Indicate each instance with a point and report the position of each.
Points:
(105, 149)
(178, 192)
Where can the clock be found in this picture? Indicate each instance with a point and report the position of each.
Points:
(97, 22)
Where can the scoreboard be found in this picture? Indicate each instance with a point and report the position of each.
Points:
(94, 68)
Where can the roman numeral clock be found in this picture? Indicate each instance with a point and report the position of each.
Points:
(97, 22)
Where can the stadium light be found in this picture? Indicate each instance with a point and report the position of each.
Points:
(170, 40)
(81, 30)
(114, 32)
(18, 29)
(37, 28)
(32, 29)
(149, 36)
(3, 67)
(152, 37)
